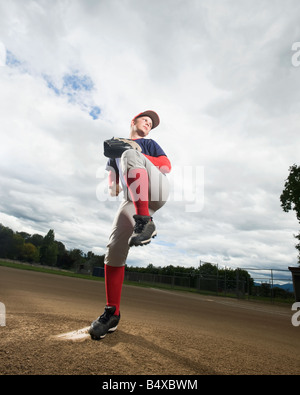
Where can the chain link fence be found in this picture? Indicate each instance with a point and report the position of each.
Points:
(265, 283)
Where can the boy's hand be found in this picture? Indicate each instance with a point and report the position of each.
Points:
(115, 189)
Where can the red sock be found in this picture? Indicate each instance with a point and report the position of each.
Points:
(137, 182)
(114, 277)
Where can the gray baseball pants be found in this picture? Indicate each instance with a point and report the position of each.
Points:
(122, 228)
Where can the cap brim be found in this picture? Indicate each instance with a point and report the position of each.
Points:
(151, 114)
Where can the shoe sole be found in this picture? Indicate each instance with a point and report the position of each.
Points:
(144, 242)
(103, 336)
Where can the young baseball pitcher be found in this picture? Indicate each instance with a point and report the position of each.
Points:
(138, 166)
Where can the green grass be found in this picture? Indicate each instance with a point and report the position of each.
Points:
(68, 273)
(40, 268)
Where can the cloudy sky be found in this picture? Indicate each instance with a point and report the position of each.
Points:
(223, 75)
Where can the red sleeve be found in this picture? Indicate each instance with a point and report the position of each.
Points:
(162, 162)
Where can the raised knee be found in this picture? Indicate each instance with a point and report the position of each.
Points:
(130, 153)
(132, 158)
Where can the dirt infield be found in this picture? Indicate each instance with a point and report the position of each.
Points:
(160, 332)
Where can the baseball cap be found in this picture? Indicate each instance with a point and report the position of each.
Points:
(151, 114)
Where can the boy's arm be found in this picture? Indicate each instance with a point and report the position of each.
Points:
(162, 162)
(113, 183)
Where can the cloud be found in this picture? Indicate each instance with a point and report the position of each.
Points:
(219, 74)
(2, 55)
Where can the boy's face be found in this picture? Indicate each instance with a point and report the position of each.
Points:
(142, 125)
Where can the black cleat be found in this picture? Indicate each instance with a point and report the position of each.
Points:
(144, 230)
(107, 322)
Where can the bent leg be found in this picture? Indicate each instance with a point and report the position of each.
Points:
(147, 185)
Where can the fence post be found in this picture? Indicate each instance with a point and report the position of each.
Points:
(296, 281)
(272, 284)
(2, 314)
(217, 279)
(237, 283)
(248, 287)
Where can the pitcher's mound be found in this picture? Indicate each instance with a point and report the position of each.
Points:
(79, 334)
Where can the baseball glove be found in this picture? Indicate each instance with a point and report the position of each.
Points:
(115, 147)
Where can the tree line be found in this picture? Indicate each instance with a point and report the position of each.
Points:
(44, 250)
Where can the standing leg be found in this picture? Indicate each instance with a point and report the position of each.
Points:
(115, 258)
(114, 277)
(117, 252)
